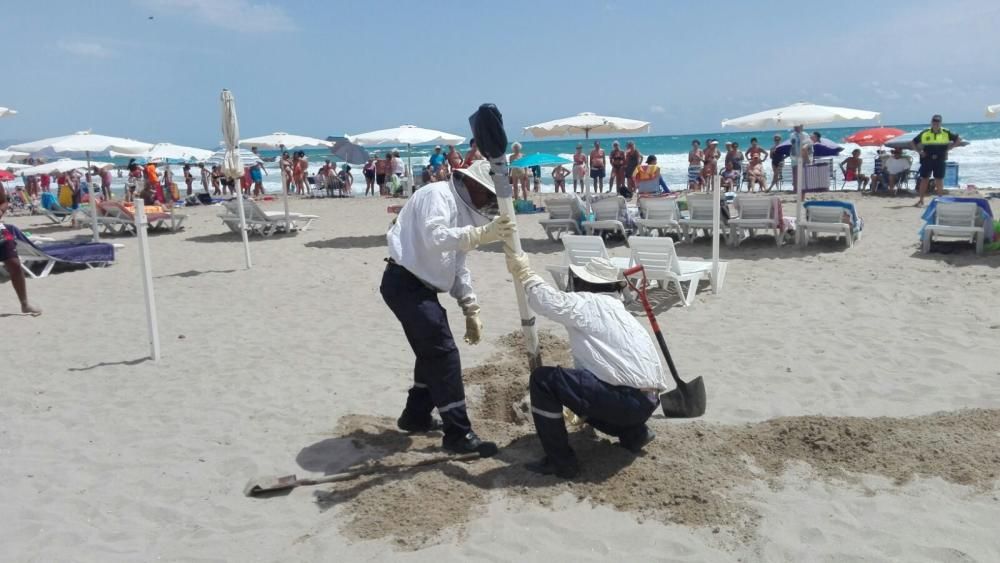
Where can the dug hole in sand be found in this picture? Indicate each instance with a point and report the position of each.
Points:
(694, 474)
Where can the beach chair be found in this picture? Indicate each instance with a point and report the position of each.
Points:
(608, 213)
(579, 250)
(836, 217)
(106, 224)
(86, 254)
(755, 213)
(52, 210)
(264, 223)
(564, 216)
(700, 212)
(659, 214)
(659, 260)
(954, 220)
(116, 210)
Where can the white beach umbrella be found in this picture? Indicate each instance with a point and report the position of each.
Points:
(246, 158)
(587, 123)
(83, 143)
(232, 164)
(281, 140)
(168, 152)
(7, 156)
(13, 166)
(62, 165)
(408, 135)
(801, 113)
(7, 112)
(993, 111)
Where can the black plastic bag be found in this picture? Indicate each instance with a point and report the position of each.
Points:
(487, 130)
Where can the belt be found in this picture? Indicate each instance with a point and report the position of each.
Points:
(390, 263)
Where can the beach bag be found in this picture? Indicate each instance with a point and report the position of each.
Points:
(65, 196)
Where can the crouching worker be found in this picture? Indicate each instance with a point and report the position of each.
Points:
(616, 378)
(439, 224)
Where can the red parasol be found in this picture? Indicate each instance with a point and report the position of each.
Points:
(874, 137)
(6, 176)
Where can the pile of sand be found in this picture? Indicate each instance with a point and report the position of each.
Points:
(688, 475)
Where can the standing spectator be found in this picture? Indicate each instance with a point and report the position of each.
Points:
(933, 145)
(153, 179)
(454, 157)
(632, 160)
(436, 160)
(877, 180)
(696, 159)
(398, 169)
(216, 180)
(518, 175)
(368, 171)
(597, 166)
(777, 161)
(802, 150)
(300, 169)
(286, 171)
(559, 174)
(257, 172)
(579, 168)
(105, 181)
(11, 261)
(206, 176)
(617, 167)
(711, 167)
(347, 179)
(45, 181)
(382, 167)
(850, 167)
(472, 155)
(536, 175)
(188, 179)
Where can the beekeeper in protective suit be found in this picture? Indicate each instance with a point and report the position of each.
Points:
(616, 378)
(439, 224)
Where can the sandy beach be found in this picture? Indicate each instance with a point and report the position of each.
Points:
(853, 409)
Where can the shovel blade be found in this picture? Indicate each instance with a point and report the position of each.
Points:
(269, 484)
(688, 400)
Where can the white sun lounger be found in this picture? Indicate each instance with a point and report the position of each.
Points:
(607, 212)
(31, 254)
(828, 220)
(754, 213)
(262, 222)
(956, 220)
(579, 250)
(659, 214)
(564, 212)
(700, 209)
(658, 257)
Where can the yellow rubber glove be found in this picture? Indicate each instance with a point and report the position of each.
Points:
(519, 266)
(500, 228)
(473, 326)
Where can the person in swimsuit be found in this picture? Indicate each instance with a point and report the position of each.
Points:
(382, 167)
(299, 173)
(369, 173)
(257, 172)
(518, 175)
(205, 176)
(597, 165)
(777, 161)
(632, 160)
(755, 171)
(579, 168)
(286, 171)
(12, 262)
(188, 179)
(711, 167)
(617, 167)
(696, 160)
(472, 155)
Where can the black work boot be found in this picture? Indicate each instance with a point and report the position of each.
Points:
(412, 425)
(636, 443)
(545, 466)
(468, 444)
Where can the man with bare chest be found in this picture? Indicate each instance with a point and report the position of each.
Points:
(597, 164)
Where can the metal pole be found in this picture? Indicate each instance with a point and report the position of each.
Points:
(409, 173)
(717, 200)
(243, 228)
(147, 281)
(93, 205)
(498, 167)
(800, 193)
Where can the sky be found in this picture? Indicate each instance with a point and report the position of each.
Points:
(153, 69)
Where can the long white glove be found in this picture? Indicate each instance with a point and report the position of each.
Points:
(520, 267)
(500, 228)
(473, 326)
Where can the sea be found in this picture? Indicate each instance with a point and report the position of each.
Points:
(978, 163)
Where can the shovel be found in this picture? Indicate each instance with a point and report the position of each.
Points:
(272, 484)
(688, 400)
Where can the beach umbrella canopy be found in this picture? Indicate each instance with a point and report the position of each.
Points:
(801, 113)
(6, 112)
(282, 140)
(405, 135)
(874, 137)
(244, 158)
(347, 151)
(13, 166)
(63, 165)
(232, 165)
(170, 153)
(7, 156)
(82, 142)
(6, 176)
(587, 123)
(991, 111)
(824, 148)
(903, 141)
(540, 159)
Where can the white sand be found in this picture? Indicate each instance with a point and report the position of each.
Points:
(109, 457)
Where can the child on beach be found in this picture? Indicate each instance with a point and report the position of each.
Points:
(559, 174)
(730, 176)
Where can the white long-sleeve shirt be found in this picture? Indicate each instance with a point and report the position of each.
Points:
(426, 239)
(604, 338)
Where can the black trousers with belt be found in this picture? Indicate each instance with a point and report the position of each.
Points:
(437, 373)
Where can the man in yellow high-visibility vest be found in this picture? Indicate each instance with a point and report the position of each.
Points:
(933, 145)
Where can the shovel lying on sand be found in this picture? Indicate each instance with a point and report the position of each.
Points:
(272, 484)
(688, 400)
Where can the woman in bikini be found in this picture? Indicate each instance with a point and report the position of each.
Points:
(711, 156)
(696, 159)
(579, 168)
(286, 171)
(559, 174)
(299, 170)
(518, 175)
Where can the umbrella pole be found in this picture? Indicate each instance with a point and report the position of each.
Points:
(93, 205)
(409, 173)
(800, 193)
(147, 282)
(717, 199)
(284, 201)
(498, 167)
(243, 228)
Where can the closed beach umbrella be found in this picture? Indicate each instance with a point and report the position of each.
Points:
(281, 140)
(7, 156)
(408, 135)
(169, 152)
(7, 112)
(232, 164)
(875, 137)
(587, 123)
(801, 113)
(83, 143)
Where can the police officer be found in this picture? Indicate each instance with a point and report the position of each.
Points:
(933, 145)
(439, 224)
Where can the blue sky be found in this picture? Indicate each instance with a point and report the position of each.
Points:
(322, 68)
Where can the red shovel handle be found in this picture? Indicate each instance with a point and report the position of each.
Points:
(652, 319)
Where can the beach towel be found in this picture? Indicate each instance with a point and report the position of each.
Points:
(75, 252)
(985, 214)
(857, 223)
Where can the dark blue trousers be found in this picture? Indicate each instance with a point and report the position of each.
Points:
(612, 409)
(437, 374)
